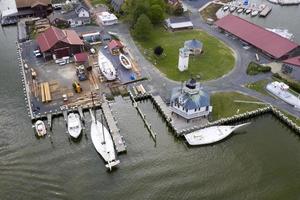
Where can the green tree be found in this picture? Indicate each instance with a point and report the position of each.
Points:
(143, 28)
(178, 10)
(161, 3)
(156, 14)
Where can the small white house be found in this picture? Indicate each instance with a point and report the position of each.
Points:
(107, 19)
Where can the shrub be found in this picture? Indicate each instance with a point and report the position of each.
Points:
(158, 50)
(255, 68)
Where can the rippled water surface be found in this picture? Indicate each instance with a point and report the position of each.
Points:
(261, 162)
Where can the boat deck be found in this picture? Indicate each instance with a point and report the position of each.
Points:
(114, 130)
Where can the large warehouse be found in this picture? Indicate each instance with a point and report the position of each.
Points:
(269, 43)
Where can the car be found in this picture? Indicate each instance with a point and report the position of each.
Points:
(81, 74)
(37, 53)
(93, 51)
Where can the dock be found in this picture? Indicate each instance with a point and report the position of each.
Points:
(112, 125)
(265, 11)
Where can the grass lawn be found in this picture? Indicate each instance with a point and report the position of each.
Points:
(96, 2)
(216, 60)
(259, 86)
(224, 105)
(210, 11)
(291, 117)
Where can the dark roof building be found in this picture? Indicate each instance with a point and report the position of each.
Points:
(38, 8)
(59, 43)
(190, 101)
(268, 42)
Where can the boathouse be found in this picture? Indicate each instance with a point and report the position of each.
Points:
(56, 43)
(190, 101)
(269, 43)
(291, 67)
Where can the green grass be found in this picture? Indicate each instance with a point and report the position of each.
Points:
(216, 60)
(292, 117)
(259, 86)
(254, 69)
(224, 105)
(96, 2)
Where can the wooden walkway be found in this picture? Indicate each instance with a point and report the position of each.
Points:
(163, 106)
(114, 130)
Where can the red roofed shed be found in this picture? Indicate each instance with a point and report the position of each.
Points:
(115, 46)
(291, 67)
(59, 43)
(270, 43)
(81, 58)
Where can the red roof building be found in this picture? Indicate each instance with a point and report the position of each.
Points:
(295, 61)
(268, 42)
(291, 67)
(81, 58)
(59, 43)
(115, 46)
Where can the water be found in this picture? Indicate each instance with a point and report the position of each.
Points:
(260, 163)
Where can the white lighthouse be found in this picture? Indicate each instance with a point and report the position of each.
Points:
(183, 62)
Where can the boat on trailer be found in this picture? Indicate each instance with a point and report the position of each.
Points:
(40, 128)
(106, 67)
(103, 142)
(74, 125)
(125, 61)
(211, 134)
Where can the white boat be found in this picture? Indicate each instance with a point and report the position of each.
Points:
(40, 128)
(248, 11)
(240, 10)
(282, 32)
(225, 8)
(232, 8)
(254, 13)
(211, 134)
(125, 61)
(106, 67)
(103, 143)
(74, 125)
(281, 90)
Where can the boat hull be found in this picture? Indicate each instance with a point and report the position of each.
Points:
(125, 62)
(74, 125)
(40, 128)
(106, 67)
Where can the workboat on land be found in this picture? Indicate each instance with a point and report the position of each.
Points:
(40, 128)
(103, 143)
(125, 61)
(74, 125)
(254, 13)
(211, 134)
(281, 90)
(106, 67)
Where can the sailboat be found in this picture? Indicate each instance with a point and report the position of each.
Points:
(103, 142)
(211, 134)
(74, 125)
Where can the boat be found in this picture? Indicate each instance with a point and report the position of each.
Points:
(40, 128)
(254, 13)
(281, 90)
(225, 8)
(74, 125)
(103, 143)
(106, 67)
(282, 32)
(232, 8)
(211, 134)
(248, 11)
(261, 7)
(125, 61)
(240, 10)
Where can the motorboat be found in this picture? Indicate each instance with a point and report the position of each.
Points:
(103, 142)
(232, 8)
(106, 67)
(74, 125)
(225, 8)
(281, 90)
(125, 61)
(211, 134)
(240, 10)
(40, 128)
(254, 13)
(248, 11)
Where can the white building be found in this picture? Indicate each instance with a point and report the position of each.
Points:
(8, 7)
(190, 101)
(106, 18)
(183, 61)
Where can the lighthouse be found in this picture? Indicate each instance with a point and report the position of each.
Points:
(183, 61)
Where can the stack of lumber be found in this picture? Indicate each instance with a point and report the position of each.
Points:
(45, 92)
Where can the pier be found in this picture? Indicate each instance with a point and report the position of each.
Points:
(114, 130)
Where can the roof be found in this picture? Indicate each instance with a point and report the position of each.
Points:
(31, 3)
(193, 44)
(115, 44)
(81, 57)
(54, 35)
(179, 19)
(179, 22)
(79, 7)
(106, 16)
(257, 36)
(293, 61)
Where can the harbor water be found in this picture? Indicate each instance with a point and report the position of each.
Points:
(261, 162)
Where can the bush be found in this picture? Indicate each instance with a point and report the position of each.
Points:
(294, 85)
(158, 50)
(255, 68)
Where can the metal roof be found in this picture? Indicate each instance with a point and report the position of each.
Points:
(293, 61)
(193, 44)
(269, 42)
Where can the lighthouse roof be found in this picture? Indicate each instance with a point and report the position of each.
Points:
(193, 44)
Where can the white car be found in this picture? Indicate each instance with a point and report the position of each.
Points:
(37, 53)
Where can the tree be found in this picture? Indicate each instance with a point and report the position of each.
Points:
(158, 50)
(142, 28)
(156, 14)
(178, 10)
(161, 3)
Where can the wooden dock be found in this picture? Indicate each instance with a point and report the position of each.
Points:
(265, 11)
(163, 106)
(114, 130)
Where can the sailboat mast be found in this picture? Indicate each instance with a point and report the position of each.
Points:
(102, 129)
(95, 114)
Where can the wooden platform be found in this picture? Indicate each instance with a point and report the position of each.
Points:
(114, 130)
